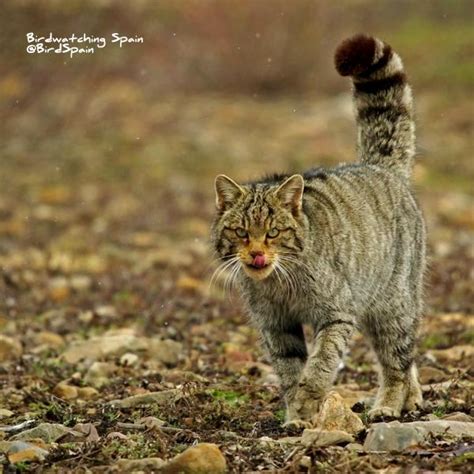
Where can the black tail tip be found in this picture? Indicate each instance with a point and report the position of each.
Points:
(355, 55)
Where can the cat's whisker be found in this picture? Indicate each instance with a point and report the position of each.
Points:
(222, 268)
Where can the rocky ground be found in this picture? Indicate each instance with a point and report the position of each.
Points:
(115, 353)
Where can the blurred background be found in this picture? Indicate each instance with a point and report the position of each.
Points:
(108, 159)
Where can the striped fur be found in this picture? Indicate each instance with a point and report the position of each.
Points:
(349, 251)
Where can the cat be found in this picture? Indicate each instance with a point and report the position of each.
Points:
(336, 249)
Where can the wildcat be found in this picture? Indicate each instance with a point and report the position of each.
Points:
(336, 249)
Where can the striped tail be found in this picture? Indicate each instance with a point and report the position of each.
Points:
(383, 100)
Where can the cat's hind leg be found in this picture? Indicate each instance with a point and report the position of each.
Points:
(393, 342)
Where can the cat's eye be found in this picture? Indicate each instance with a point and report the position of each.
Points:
(272, 233)
(242, 233)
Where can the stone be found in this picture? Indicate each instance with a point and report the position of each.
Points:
(140, 465)
(450, 428)
(88, 430)
(147, 399)
(356, 447)
(117, 344)
(80, 282)
(454, 354)
(204, 458)
(101, 347)
(458, 416)
(431, 375)
(65, 391)
(165, 350)
(4, 413)
(129, 360)
(87, 393)
(99, 374)
(19, 451)
(319, 438)
(335, 415)
(10, 348)
(49, 339)
(392, 437)
(351, 396)
(48, 432)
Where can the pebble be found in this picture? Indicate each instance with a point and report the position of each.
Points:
(336, 415)
(9, 348)
(129, 360)
(204, 458)
(99, 374)
(4, 413)
(147, 399)
(48, 432)
(87, 393)
(319, 438)
(392, 437)
(431, 375)
(19, 451)
(65, 391)
(49, 339)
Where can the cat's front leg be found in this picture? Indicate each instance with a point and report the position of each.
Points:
(287, 350)
(321, 367)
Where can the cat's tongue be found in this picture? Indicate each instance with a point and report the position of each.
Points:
(259, 261)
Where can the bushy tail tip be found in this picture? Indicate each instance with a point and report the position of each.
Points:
(355, 55)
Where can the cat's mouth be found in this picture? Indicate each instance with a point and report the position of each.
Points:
(258, 272)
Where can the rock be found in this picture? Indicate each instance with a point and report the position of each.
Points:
(140, 465)
(9, 349)
(351, 397)
(454, 354)
(80, 282)
(431, 375)
(204, 458)
(335, 415)
(5, 413)
(458, 416)
(319, 438)
(147, 399)
(106, 311)
(129, 360)
(49, 339)
(117, 344)
(48, 432)
(392, 437)
(449, 428)
(86, 393)
(356, 447)
(99, 374)
(151, 423)
(88, 430)
(59, 289)
(165, 350)
(65, 391)
(19, 451)
(177, 377)
(101, 347)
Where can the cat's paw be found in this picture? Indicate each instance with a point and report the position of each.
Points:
(383, 412)
(296, 424)
(304, 406)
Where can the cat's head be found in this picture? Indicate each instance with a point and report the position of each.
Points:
(259, 226)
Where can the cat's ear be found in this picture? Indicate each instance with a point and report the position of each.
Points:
(290, 193)
(227, 192)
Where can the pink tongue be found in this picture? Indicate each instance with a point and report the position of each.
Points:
(259, 261)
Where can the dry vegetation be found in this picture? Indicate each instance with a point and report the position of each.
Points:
(105, 201)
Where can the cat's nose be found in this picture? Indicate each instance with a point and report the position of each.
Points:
(256, 253)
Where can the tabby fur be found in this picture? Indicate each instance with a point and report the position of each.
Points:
(336, 249)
